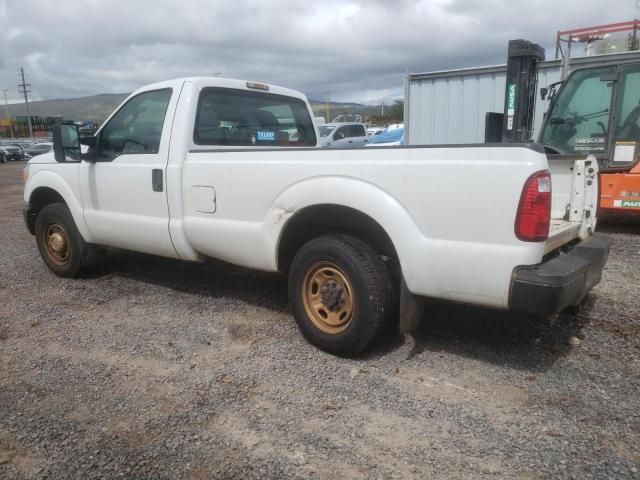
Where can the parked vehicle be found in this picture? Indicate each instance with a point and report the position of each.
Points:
(15, 145)
(343, 135)
(388, 138)
(11, 152)
(38, 148)
(373, 131)
(202, 168)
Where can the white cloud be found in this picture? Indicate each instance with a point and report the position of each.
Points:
(358, 50)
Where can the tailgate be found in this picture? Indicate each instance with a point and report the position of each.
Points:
(574, 199)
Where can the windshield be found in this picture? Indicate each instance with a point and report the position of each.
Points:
(325, 130)
(578, 122)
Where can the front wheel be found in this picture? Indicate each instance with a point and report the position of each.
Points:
(60, 244)
(341, 294)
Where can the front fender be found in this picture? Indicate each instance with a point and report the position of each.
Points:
(54, 181)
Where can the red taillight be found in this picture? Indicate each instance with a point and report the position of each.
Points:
(534, 211)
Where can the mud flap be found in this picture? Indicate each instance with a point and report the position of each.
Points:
(411, 309)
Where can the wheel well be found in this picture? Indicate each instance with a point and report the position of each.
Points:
(40, 198)
(43, 196)
(319, 220)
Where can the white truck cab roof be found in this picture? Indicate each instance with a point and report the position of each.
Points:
(202, 82)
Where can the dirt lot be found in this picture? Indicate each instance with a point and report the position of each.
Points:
(158, 369)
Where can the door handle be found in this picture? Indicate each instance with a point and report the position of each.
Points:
(156, 180)
(350, 141)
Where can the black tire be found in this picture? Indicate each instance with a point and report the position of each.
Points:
(362, 272)
(3, 159)
(75, 255)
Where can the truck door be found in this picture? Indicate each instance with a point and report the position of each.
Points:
(360, 137)
(341, 137)
(124, 189)
(620, 184)
(626, 134)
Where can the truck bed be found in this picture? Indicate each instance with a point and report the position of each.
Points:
(560, 233)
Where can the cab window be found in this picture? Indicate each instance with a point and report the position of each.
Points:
(628, 121)
(358, 131)
(245, 118)
(342, 132)
(579, 120)
(137, 127)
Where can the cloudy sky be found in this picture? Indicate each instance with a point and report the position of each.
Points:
(356, 49)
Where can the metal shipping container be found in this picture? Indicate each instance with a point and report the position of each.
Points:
(450, 106)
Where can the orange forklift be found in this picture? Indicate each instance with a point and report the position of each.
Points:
(594, 110)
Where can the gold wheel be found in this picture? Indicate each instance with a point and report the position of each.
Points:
(328, 297)
(56, 242)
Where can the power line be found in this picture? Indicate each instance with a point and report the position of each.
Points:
(25, 88)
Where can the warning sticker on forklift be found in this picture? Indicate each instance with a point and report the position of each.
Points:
(589, 144)
(624, 152)
(626, 203)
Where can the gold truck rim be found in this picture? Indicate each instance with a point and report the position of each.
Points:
(328, 298)
(56, 242)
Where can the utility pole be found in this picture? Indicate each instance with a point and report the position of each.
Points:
(328, 108)
(25, 88)
(382, 115)
(6, 106)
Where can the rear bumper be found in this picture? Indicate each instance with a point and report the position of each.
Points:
(562, 281)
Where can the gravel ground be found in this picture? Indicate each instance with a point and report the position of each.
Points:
(158, 369)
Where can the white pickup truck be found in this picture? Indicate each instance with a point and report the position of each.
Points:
(212, 168)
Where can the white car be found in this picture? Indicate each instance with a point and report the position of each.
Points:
(199, 168)
(343, 135)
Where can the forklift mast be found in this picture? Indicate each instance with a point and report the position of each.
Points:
(520, 90)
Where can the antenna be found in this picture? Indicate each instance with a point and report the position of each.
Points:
(25, 88)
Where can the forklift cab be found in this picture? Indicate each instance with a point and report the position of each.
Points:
(597, 111)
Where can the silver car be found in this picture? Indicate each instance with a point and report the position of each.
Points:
(343, 135)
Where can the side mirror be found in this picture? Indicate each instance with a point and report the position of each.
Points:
(66, 141)
(338, 136)
(543, 93)
(89, 141)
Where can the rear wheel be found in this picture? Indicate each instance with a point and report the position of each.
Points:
(341, 294)
(60, 244)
